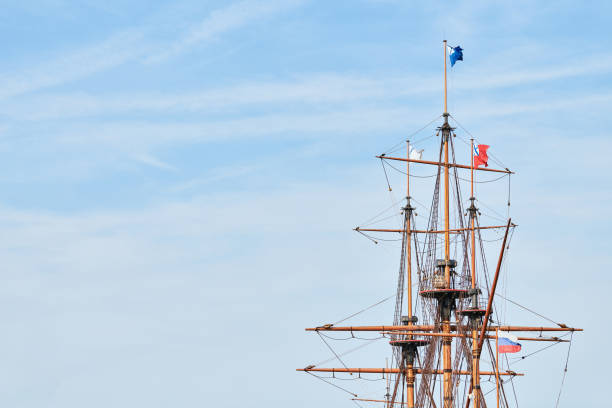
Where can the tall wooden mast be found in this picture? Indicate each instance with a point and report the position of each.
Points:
(445, 105)
(472, 216)
(408, 213)
(474, 319)
(444, 302)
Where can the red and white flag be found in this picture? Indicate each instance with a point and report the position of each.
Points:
(480, 156)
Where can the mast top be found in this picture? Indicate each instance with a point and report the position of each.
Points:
(445, 99)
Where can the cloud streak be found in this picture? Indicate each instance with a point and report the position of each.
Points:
(73, 66)
(137, 135)
(153, 161)
(221, 21)
(135, 44)
(306, 90)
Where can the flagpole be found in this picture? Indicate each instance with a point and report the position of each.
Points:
(387, 395)
(497, 363)
(409, 377)
(408, 250)
(473, 215)
(445, 105)
(472, 165)
(475, 349)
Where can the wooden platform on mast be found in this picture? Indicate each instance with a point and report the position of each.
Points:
(409, 342)
(472, 312)
(440, 293)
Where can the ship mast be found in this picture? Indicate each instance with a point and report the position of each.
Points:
(443, 291)
(444, 302)
(409, 351)
(474, 318)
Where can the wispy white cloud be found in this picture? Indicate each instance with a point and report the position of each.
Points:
(313, 89)
(221, 21)
(497, 108)
(135, 44)
(494, 78)
(153, 161)
(134, 136)
(215, 175)
(331, 88)
(75, 65)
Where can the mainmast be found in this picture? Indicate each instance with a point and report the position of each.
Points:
(445, 301)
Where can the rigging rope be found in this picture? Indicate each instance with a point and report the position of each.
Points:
(380, 220)
(404, 172)
(333, 351)
(420, 203)
(565, 369)
(493, 216)
(485, 181)
(495, 159)
(332, 384)
(373, 219)
(492, 209)
(348, 351)
(375, 239)
(395, 147)
(366, 309)
(521, 358)
(350, 338)
(382, 162)
(493, 240)
(352, 379)
(529, 310)
(509, 176)
(514, 390)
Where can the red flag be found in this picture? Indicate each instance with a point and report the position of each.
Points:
(480, 156)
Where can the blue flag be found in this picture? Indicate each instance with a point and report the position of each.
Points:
(455, 54)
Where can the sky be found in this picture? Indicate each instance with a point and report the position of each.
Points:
(180, 180)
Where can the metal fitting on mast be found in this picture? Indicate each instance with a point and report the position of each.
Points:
(408, 208)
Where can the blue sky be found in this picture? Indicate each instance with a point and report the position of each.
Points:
(180, 179)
